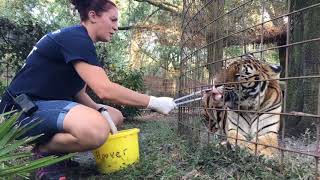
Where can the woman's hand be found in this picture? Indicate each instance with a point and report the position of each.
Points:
(161, 104)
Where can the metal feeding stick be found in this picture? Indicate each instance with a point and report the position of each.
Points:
(189, 98)
(188, 101)
(179, 101)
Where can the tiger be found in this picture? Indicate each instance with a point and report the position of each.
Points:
(235, 114)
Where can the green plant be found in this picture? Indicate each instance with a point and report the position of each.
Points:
(165, 155)
(132, 79)
(2, 87)
(129, 78)
(14, 161)
(114, 58)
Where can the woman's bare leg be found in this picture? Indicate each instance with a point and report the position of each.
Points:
(84, 129)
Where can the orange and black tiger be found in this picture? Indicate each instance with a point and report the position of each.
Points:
(249, 106)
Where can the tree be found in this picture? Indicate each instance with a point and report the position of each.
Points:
(164, 6)
(154, 26)
(214, 33)
(160, 22)
(303, 94)
(16, 41)
(23, 23)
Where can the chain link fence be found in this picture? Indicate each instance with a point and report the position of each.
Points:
(216, 33)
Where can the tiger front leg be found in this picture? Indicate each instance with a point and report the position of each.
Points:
(235, 138)
(270, 140)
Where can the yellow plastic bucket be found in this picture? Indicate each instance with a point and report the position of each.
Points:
(118, 152)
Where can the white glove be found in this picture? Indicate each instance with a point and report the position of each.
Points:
(161, 104)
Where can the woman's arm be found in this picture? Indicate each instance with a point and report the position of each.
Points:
(98, 81)
(83, 98)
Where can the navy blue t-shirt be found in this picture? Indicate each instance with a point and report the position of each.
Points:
(48, 73)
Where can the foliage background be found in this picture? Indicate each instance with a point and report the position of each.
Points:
(140, 48)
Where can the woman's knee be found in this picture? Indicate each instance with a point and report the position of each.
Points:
(93, 136)
(116, 116)
(87, 125)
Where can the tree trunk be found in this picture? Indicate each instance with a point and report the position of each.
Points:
(135, 51)
(213, 33)
(304, 60)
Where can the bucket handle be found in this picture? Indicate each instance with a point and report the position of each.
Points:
(107, 116)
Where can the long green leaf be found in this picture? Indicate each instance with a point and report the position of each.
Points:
(7, 113)
(10, 169)
(23, 129)
(34, 165)
(7, 124)
(8, 157)
(24, 175)
(8, 136)
(16, 144)
(49, 162)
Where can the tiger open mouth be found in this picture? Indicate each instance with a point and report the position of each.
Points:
(230, 97)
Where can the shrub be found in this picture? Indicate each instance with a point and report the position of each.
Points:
(14, 161)
(2, 87)
(132, 79)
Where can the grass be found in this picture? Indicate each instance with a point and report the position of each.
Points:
(160, 153)
(165, 155)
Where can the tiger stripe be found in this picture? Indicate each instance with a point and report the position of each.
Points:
(257, 95)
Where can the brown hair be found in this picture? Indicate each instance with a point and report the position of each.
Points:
(98, 6)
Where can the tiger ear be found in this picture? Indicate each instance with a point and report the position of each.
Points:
(275, 68)
(248, 56)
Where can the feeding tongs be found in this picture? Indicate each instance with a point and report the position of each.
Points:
(107, 116)
(189, 98)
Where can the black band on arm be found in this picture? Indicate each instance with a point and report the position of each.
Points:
(102, 109)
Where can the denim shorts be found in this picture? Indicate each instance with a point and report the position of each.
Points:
(49, 118)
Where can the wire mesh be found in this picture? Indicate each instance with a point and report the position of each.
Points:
(216, 33)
